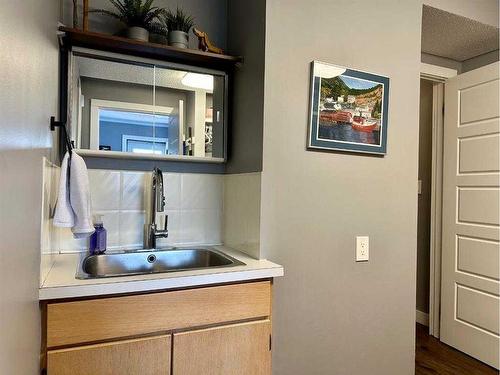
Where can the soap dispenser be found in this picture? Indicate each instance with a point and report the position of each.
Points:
(98, 238)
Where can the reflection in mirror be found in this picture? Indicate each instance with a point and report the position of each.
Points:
(118, 106)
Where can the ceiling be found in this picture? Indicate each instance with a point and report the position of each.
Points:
(115, 71)
(455, 37)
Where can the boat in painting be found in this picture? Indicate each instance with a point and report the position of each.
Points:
(363, 125)
(342, 117)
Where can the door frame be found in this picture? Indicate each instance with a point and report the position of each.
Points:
(438, 75)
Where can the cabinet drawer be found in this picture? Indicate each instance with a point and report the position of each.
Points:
(107, 318)
(147, 356)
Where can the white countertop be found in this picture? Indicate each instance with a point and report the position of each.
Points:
(60, 281)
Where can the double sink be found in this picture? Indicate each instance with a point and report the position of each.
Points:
(140, 262)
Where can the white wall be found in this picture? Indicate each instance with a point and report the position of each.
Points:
(28, 97)
(331, 315)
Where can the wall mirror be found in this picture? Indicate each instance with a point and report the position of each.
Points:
(144, 109)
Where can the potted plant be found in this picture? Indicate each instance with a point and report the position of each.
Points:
(178, 25)
(138, 15)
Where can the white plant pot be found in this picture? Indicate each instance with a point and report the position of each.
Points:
(138, 33)
(178, 39)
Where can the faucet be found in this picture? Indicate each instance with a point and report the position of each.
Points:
(156, 204)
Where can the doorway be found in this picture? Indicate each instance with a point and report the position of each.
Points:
(458, 234)
(430, 178)
(458, 224)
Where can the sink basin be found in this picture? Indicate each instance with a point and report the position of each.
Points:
(152, 261)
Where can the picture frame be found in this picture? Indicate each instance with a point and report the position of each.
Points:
(348, 110)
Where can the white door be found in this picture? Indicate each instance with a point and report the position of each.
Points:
(470, 257)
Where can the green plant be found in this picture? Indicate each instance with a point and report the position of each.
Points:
(175, 21)
(139, 13)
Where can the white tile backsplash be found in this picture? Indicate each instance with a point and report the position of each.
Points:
(67, 243)
(201, 191)
(49, 240)
(132, 191)
(111, 221)
(172, 190)
(105, 189)
(174, 225)
(212, 221)
(131, 229)
(193, 203)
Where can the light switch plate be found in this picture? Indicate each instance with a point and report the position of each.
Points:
(362, 248)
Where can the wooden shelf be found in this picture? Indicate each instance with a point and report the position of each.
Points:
(111, 43)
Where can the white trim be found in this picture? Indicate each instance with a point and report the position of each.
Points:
(422, 318)
(436, 73)
(180, 150)
(97, 104)
(436, 209)
(81, 104)
(132, 155)
(128, 137)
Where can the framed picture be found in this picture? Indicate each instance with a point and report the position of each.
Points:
(349, 110)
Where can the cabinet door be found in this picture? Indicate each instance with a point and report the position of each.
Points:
(145, 356)
(242, 349)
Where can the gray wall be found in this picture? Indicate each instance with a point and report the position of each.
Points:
(479, 61)
(462, 66)
(93, 88)
(28, 97)
(246, 37)
(424, 199)
(332, 315)
(210, 16)
(441, 61)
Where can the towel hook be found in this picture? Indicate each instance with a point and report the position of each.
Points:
(60, 124)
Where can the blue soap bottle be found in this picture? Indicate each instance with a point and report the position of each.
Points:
(98, 238)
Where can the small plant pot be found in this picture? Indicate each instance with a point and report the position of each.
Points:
(138, 33)
(178, 39)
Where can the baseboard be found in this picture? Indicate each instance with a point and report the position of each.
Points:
(422, 318)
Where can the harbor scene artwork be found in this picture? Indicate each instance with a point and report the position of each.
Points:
(348, 110)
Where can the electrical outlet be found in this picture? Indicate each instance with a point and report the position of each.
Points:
(362, 248)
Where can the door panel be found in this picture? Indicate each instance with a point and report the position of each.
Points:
(467, 301)
(475, 105)
(242, 349)
(146, 356)
(478, 205)
(477, 256)
(470, 242)
(479, 154)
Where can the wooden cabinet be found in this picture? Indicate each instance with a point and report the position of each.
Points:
(242, 349)
(92, 320)
(215, 330)
(145, 356)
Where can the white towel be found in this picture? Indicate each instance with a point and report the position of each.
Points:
(74, 207)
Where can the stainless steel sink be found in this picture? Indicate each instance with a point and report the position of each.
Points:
(152, 261)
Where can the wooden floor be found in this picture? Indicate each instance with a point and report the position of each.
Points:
(433, 357)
